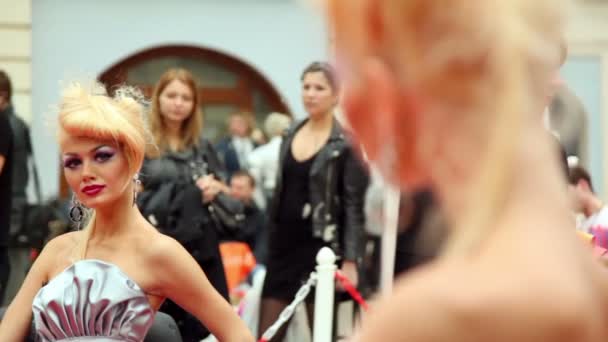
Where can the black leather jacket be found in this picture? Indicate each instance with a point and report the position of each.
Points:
(339, 178)
(179, 166)
(170, 199)
(22, 151)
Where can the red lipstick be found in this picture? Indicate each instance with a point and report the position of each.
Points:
(92, 190)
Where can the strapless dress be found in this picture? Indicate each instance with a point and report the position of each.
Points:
(92, 300)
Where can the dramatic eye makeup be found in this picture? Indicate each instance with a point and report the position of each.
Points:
(71, 161)
(104, 153)
(101, 154)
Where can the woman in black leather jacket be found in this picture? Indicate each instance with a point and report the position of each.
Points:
(318, 200)
(180, 175)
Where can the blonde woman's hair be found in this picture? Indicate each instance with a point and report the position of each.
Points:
(276, 123)
(480, 68)
(192, 127)
(87, 111)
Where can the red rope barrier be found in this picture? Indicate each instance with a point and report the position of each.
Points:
(352, 291)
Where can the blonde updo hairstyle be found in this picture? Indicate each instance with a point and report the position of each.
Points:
(472, 75)
(88, 111)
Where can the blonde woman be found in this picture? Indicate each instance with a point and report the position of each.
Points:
(107, 280)
(450, 94)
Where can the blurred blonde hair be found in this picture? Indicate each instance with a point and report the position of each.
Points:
(276, 123)
(478, 67)
(192, 127)
(87, 111)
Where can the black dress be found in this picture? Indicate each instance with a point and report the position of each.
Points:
(293, 248)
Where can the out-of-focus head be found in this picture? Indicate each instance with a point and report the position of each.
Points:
(320, 89)
(581, 187)
(6, 90)
(276, 123)
(239, 125)
(579, 176)
(433, 86)
(258, 137)
(175, 100)
(242, 185)
(102, 141)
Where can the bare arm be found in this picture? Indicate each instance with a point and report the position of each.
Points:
(16, 323)
(413, 312)
(183, 281)
(2, 161)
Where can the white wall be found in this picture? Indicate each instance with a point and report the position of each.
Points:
(588, 24)
(587, 73)
(73, 38)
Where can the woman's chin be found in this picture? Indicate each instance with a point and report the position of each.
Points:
(178, 118)
(98, 203)
(92, 204)
(315, 113)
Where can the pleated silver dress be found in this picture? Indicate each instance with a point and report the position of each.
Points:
(92, 300)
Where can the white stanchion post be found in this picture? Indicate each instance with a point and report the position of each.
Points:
(389, 238)
(324, 295)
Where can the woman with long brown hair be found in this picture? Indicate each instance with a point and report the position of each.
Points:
(181, 176)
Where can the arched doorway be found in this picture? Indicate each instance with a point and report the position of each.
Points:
(227, 84)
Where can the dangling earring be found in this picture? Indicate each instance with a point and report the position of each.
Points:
(76, 212)
(137, 184)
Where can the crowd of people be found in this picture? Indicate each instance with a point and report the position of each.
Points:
(166, 221)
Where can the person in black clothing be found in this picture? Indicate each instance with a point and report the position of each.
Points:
(318, 199)
(6, 181)
(242, 187)
(421, 232)
(181, 175)
(22, 151)
(22, 148)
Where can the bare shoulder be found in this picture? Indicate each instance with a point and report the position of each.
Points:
(443, 302)
(54, 255)
(62, 243)
(158, 247)
(171, 265)
(163, 246)
(525, 303)
(420, 297)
